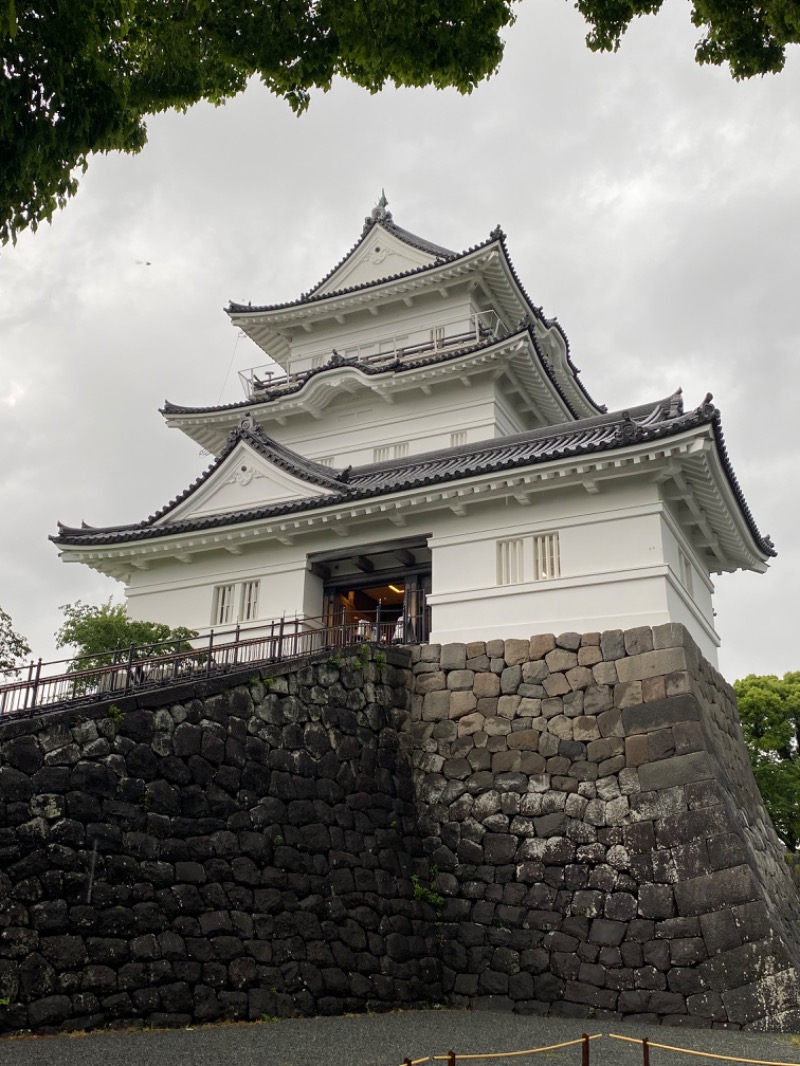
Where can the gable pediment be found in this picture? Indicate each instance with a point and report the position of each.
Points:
(380, 255)
(244, 481)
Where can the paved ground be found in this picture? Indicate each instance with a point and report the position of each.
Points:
(385, 1040)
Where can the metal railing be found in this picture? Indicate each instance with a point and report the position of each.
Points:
(46, 686)
(454, 333)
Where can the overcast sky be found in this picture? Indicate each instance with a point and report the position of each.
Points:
(652, 205)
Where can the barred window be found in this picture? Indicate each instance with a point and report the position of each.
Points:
(249, 601)
(510, 561)
(546, 557)
(536, 557)
(223, 605)
(459, 437)
(686, 572)
(390, 451)
(326, 460)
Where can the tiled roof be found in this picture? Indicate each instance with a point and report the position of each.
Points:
(585, 437)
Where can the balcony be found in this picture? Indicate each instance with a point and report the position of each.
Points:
(260, 382)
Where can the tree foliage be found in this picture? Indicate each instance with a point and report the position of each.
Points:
(749, 35)
(13, 647)
(81, 76)
(769, 708)
(104, 634)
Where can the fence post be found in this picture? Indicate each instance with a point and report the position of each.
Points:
(236, 644)
(451, 1058)
(35, 685)
(645, 1052)
(210, 650)
(585, 1051)
(128, 670)
(378, 623)
(280, 636)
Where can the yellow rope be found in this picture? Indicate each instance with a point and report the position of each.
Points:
(532, 1051)
(700, 1054)
(415, 1062)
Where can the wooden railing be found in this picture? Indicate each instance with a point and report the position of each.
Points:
(41, 686)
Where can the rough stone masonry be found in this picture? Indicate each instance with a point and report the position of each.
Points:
(565, 825)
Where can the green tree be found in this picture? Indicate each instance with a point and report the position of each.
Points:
(104, 634)
(769, 708)
(13, 647)
(81, 76)
(750, 35)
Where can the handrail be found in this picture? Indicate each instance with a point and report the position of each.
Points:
(480, 325)
(41, 687)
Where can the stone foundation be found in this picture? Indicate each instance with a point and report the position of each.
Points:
(565, 825)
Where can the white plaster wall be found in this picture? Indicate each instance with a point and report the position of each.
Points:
(365, 334)
(350, 433)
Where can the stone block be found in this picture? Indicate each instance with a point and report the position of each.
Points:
(579, 677)
(711, 892)
(655, 901)
(661, 744)
(637, 752)
(612, 644)
(678, 770)
(605, 673)
(462, 703)
(560, 659)
(497, 726)
(431, 681)
(503, 761)
(507, 706)
(436, 705)
(628, 694)
(589, 655)
(669, 635)
(660, 714)
(516, 652)
(638, 640)
(556, 685)
(598, 698)
(510, 679)
(524, 740)
(476, 648)
(486, 684)
(540, 644)
(678, 683)
(610, 723)
(454, 657)
(585, 728)
(688, 736)
(460, 680)
(653, 688)
(651, 664)
(534, 672)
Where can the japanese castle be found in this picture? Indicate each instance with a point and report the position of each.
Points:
(419, 448)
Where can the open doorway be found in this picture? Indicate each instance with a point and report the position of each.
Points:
(378, 592)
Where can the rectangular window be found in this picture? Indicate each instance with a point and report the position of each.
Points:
(317, 361)
(223, 605)
(437, 336)
(532, 558)
(459, 437)
(249, 601)
(389, 451)
(510, 561)
(686, 572)
(326, 460)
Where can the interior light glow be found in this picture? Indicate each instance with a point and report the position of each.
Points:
(394, 588)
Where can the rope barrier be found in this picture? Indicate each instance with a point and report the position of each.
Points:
(700, 1054)
(415, 1062)
(531, 1051)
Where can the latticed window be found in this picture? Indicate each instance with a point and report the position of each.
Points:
(459, 437)
(390, 451)
(546, 557)
(510, 561)
(249, 601)
(325, 460)
(536, 557)
(686, 572)
(223, 604)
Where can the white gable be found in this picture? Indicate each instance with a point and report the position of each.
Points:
(381, 255)
(244, 481)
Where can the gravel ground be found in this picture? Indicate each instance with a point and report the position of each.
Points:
(386, 1039)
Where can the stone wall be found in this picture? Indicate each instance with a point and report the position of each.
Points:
(565, 825)
(601, 843)
(239, 853)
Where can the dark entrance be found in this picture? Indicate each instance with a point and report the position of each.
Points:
(378, 592)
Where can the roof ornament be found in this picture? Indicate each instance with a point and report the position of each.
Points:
(676, 403)
(498, 233)
(379, 213)
(707, 407)
(628, 431)
(344, 476)
(526, 322)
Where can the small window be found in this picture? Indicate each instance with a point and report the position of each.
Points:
(326, 460)
(223, 605)
(249, 601)
(401, 449)
(437, 336)
(686, 572)
(317, 361)
(389, 451)
(546, 557)
(459, 437)
(510, 561)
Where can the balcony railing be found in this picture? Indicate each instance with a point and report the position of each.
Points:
(43, 687)
(463, 332)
